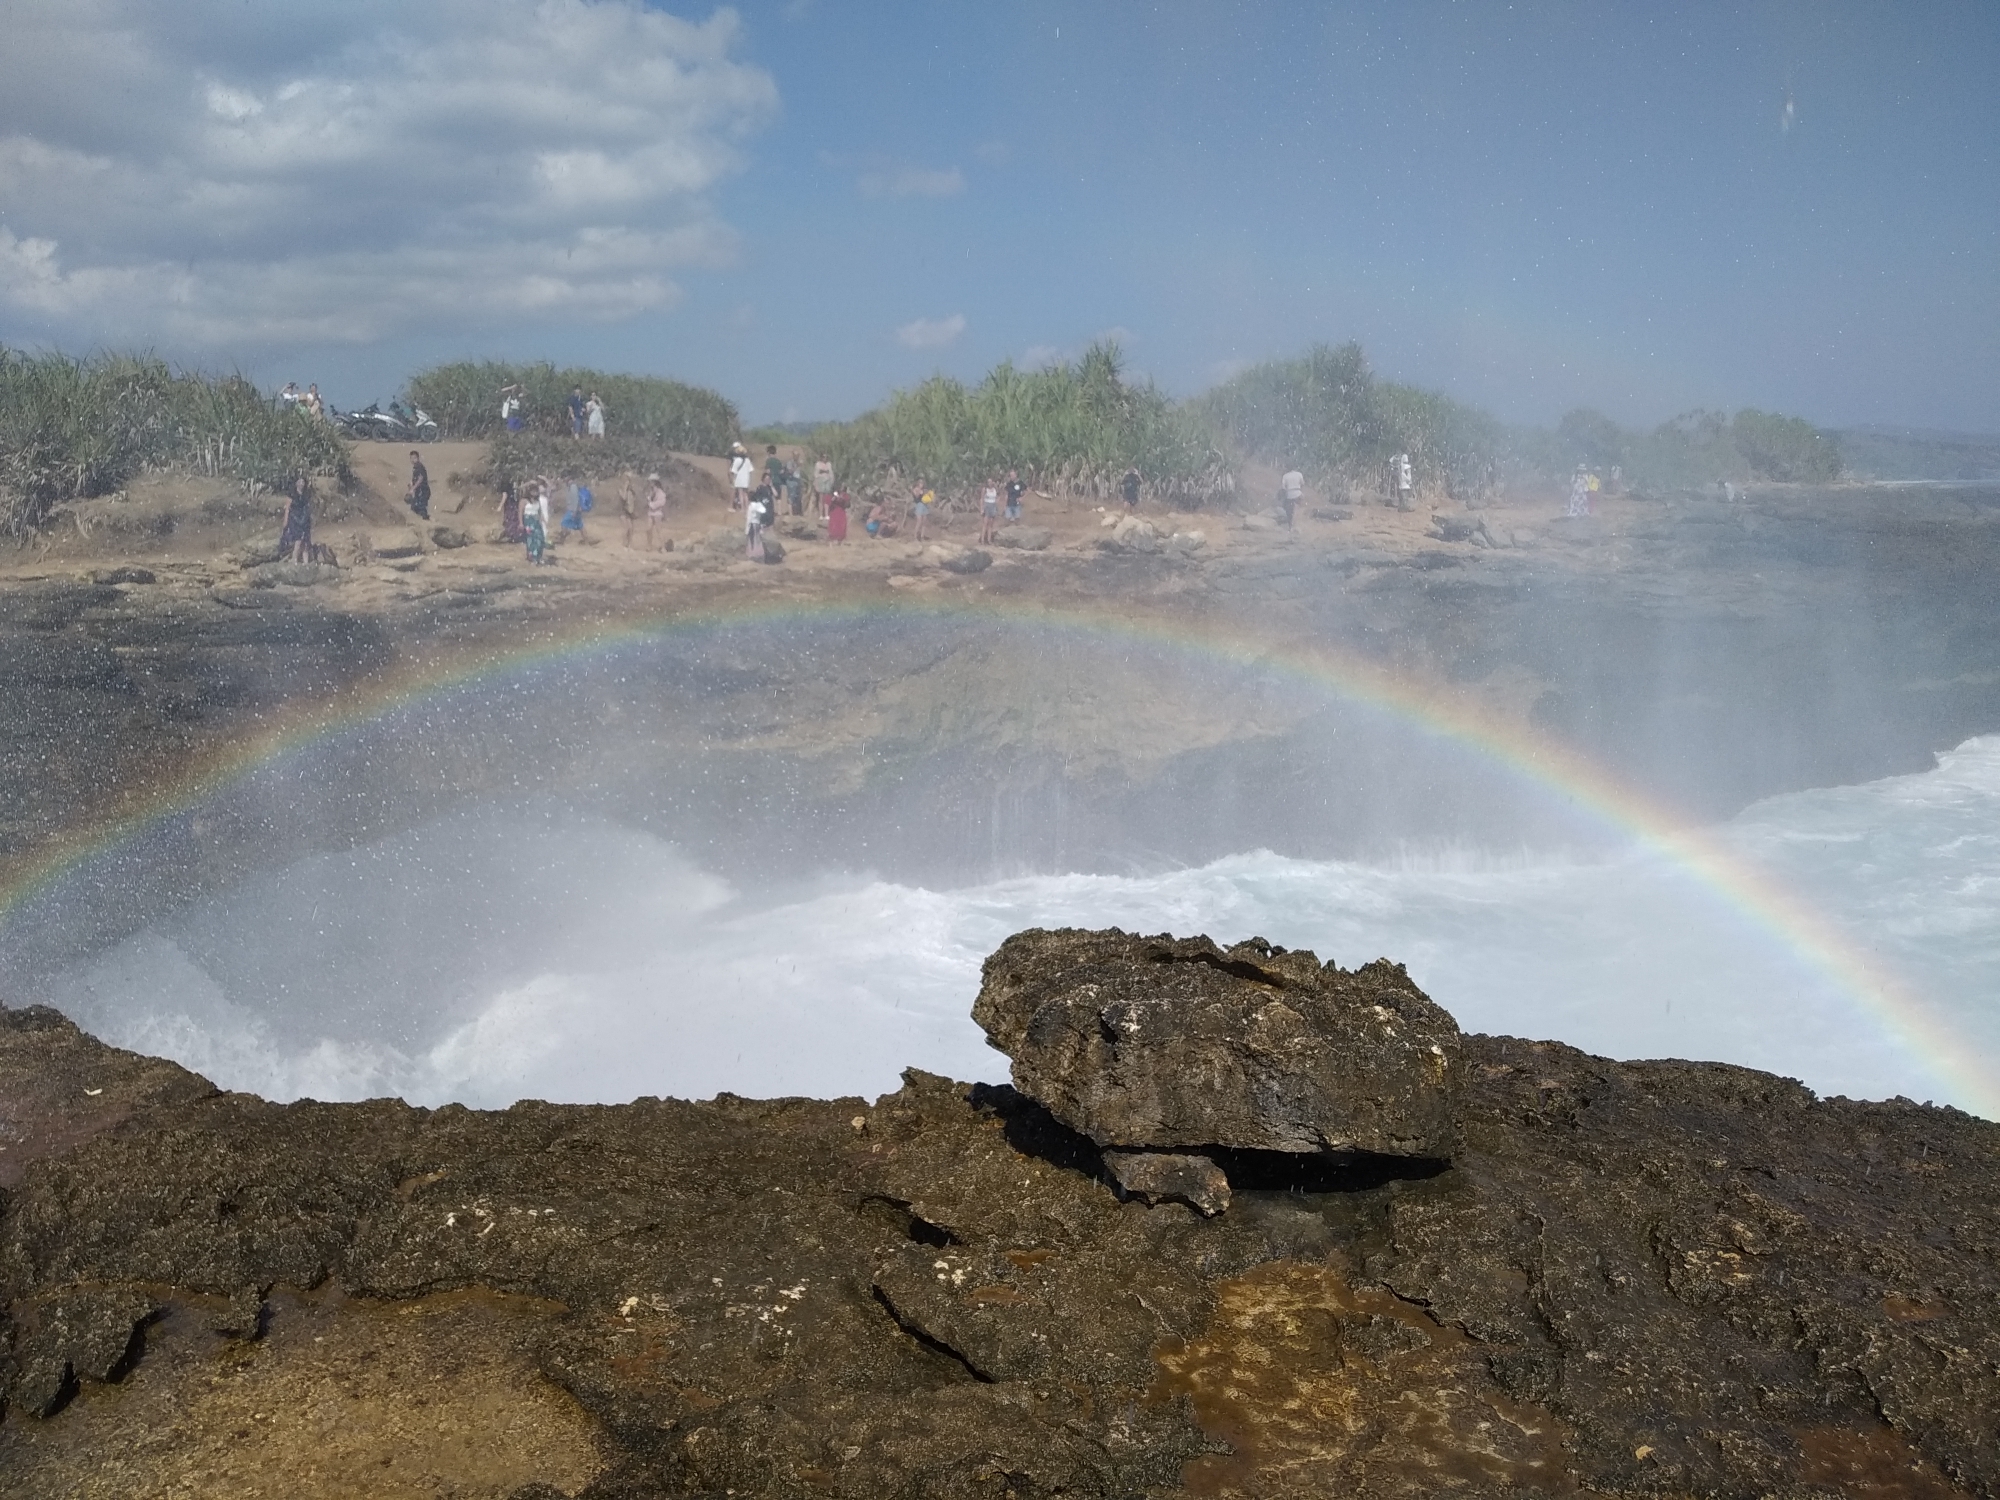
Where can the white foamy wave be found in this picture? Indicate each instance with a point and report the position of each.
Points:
(619, 969)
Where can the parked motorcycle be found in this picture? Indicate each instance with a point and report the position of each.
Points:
(397, 424)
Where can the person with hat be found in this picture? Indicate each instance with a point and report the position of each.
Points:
(742, 475)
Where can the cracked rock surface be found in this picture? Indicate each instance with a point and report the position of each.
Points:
(1175, 1043)
(1631, 1279)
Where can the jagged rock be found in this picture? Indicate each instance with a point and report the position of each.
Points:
(1460, 529)
(293, 575)
(84, 1334)
(1169, 1176)
(241, 1317)
(1186, 543)
(1169, 1043)
(970, 561)
(1026, 538)
(449, 537)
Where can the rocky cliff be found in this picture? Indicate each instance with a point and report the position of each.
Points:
(1610, 1278)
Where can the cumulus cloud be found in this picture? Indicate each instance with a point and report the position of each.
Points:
(931, 333)
(218, 175)
(913, 182)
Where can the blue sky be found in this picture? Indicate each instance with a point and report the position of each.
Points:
(807, 204)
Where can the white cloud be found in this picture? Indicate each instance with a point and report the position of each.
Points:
(216, 175)
(931, 333)
(913, 182)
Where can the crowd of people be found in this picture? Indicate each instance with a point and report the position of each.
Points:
(759, 493)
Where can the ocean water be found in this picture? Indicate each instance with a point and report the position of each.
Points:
(492, 956)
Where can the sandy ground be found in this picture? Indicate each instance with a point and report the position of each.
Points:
(180, 521)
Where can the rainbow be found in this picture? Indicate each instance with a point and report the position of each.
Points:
(1455, 718)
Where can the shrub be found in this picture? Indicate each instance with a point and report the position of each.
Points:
(72, 428)
(1327, 413)
(464, 400)
(1069, 428)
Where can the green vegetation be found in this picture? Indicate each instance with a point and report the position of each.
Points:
(1699, 447)
(72, 428)
(464, 400)
(1327, 413)
(1070, 429)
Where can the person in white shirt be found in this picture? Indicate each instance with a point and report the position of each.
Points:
(1403, 486)
(1291, 490)
(822, 484)
(742, 475)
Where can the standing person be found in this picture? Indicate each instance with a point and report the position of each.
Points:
(576, 412)
(1129, 488)
(593, 410)
(510, 407)
(742, 474)
(535, 524)
(1404, 488)
(628, 506)
(989, 512)
(822, 485)
(573, 511)
(511, 529)
(774, 474)
(1015, 490)
(1291, 490)
(1579, 494)
(289, 397)
(794, 482)
(419, 497)
(313, 405)
(756, 516)
(836, 516)
(920, 507)
(656, 511)
(297, 536)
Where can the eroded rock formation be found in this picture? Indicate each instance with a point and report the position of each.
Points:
(1629, 1278)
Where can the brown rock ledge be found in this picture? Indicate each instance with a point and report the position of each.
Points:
(1653, 1278)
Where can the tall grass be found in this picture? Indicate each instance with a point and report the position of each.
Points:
(1330, 415)
(71, 428)
(464, 400)
(1069, 428)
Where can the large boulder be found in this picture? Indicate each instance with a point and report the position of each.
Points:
(1175, 1044)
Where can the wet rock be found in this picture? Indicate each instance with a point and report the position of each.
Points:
(1460, 529)
(85, 1334)
(774, 550)
(1025, 538)
(449, 537)
(241, 1317)
(122, 575)
(1173, 1043)
(970, 561)
(1170, 1177)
